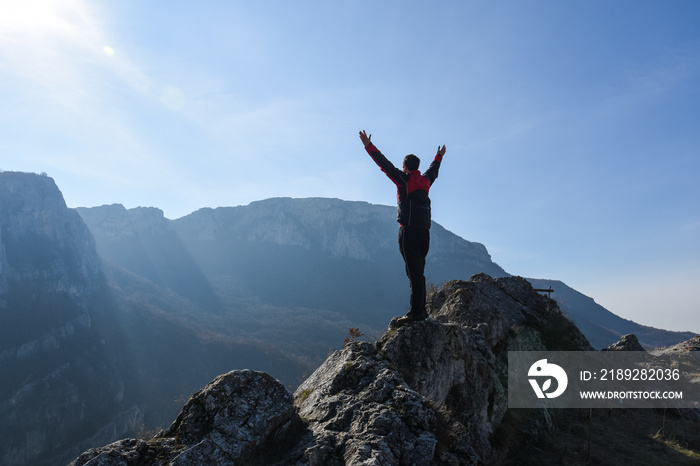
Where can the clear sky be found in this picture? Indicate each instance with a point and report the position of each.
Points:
(572, 127)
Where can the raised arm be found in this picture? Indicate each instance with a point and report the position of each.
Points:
(394, 174)
(432, 171)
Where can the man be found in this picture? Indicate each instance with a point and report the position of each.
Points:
(412, 189)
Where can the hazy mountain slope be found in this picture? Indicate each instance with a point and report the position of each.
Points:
(173, 354)
(293, 272)
(63, 380)
(88, 352)
(320, 252)
(324, 263)
(141, 241)
(601, 326)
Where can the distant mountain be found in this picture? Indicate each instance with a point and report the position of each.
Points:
(296, 272)
(292, 270)
(293, 243)
(64, 383)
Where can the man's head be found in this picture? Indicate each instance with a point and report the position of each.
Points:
(411, 163)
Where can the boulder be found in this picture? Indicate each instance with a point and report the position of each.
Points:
(626, 343)
(223, 423)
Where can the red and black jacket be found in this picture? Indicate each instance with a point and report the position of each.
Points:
(411, 189)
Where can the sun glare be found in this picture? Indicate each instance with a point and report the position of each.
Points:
(21, 14)
(39, 23)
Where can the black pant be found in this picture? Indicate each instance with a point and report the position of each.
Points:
(414, 244)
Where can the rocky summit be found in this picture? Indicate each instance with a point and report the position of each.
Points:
(431, 392)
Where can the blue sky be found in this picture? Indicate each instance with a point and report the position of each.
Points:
(573, 149)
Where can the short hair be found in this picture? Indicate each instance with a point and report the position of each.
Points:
(411, 162)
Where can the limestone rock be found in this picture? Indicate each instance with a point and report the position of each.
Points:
(360, 411)
(224, 423)
(503, 307)
(689, 345)
(115, 222)
(626, 343)
(429, 393)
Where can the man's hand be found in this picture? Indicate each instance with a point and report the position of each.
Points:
(366, 140)
(441, 150)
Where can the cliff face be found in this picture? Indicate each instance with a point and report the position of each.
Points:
(431, 392)
(42, 240)
(312, 250)
(336, 259)
(61, 386)
(293, 274)
(340, 229)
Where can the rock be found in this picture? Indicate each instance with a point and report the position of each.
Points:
(42, 240)
(501, 307)
(626, 343)
(339, 229)
(360, 411)
(431, 392)
(224, 423)
(362, 405)
(692, 344)
(115, 222)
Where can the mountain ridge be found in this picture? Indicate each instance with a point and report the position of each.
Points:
(332, 234)
(602, 326)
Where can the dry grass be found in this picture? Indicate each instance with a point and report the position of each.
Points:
(609, 436)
